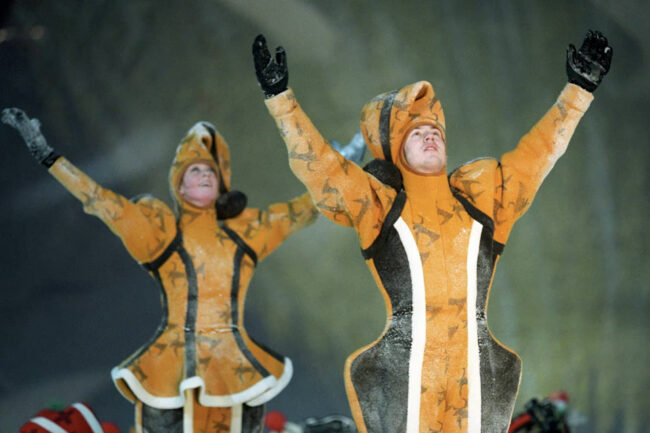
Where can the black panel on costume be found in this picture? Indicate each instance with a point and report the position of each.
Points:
(190, 316)
(384, 124)
(252, 418)
(380, 375)
(162, 420)
(387, 227)
(500, 369)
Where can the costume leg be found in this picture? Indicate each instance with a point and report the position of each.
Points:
(253, 418)
(151, 420)
(236, 419)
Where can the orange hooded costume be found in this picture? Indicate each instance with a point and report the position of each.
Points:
(203, 268)
(432, 248)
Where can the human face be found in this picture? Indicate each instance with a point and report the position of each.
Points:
(425, 150)
(200, 185)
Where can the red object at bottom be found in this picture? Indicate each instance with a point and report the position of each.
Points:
(275, 421)
(519, 422)
(76, 418)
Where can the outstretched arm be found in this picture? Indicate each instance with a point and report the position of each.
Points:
(279, 221)
(524, 169)
(145, 228)
(341, 190)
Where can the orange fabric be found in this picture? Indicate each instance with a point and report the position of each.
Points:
(147, 228)
(437, 221)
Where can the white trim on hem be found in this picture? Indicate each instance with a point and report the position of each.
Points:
(89, 417)
(282, 382)
(178, 401)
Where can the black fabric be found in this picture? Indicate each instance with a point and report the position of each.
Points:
(230, 204)
(386, 172)
(162, 420)
(190, 315)
(174, 246)
(380, 374)
(50, 159)
(234, 311)
(252, 418)
(215, 155)
(384, 125)
(240, 243)
(500, 369)
(392, 216)
(498, 248)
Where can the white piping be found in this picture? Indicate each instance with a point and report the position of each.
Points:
(282, 382)
(177, 401)
(47, 424)
(473, 361)
(418, 326)
(235, 419)
(89, 417)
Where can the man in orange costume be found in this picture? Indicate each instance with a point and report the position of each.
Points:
(201, 371)
(431, 241)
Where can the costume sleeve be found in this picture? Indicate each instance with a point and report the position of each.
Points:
(341, 190)
(279, 221)
(145, 227)
(523, 169)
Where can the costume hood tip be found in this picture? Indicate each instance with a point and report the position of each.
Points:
(387, 118)
(203, 143)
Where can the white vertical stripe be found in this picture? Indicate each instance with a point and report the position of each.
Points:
(89, 417)
(138, 417)
(235, 418)
(473, 361)
(188, 411)
(418, 326)
(47, 425)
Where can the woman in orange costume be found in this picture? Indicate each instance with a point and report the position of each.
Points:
(431, 242)
(201, 371)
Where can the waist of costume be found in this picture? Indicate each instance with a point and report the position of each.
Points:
(436, 366)
(191, 349)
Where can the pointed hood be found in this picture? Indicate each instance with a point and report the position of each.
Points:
(203, 143)
(388, 117)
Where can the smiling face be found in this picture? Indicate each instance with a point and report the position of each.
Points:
(200, 185)
(425, 151)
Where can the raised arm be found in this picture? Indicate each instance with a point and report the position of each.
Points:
(145, 227)
(524, 168)
(265, 229)
(341, 190)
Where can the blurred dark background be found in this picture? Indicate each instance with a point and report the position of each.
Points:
(117, 83)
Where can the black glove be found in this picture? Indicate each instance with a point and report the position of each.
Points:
(272, 75)
(30, 130)
(587, 66)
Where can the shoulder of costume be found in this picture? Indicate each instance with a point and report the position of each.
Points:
(475, 181)
(148, 200)
(478, 169)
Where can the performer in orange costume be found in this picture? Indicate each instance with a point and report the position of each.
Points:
(431, 241)
(201, 362)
